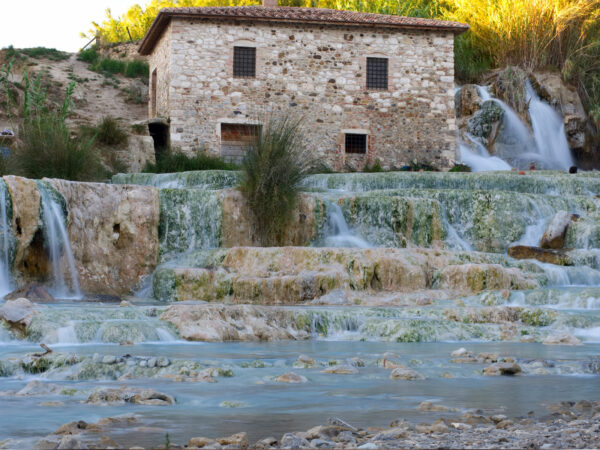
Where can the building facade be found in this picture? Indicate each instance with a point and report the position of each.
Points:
(366, 87)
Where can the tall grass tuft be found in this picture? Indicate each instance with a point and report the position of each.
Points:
(48, 150)
(272, 172)
(171, 161)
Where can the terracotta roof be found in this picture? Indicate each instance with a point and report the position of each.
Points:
(284, 14)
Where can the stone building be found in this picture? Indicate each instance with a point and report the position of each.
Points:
(366, 86)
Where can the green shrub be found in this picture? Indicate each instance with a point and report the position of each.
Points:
(48, 150)
(137, 69)
(373, 168)
(171, 161)
(460, 168)
(89, 55)
(48, 53)
(110, 132)
(272, 173)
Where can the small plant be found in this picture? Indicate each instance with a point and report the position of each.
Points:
(89, 55)
(272, 172)
(460, 168)
(171, 161)
(373, 168)
(167, 441)
(110, 133)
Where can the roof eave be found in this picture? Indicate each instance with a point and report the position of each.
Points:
(157, 28)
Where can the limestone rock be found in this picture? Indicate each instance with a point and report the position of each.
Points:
(546, 256)
(107, 396)
(290, 440)
(343, 370)
(555, 234)
(70, 442)
(562, 339)
(113, 231)
(237, 229)
(200, 442)
(239, 440)
(217, 323)
(291, 378)
(139, 152)
(468, 101)
(504, 368)
(32, 292)
(25, 197)
(18, 313)
(406, 374)
(428, 406)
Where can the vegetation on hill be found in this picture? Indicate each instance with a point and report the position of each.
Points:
(532, 34)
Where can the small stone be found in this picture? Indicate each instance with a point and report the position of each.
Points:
(342, 370)
(334, 421)
(124, 303)
(502, 369)
(461, 426)
(306, 360)
(504, 424)
(163, 361)
(356, 362)
(460, 352)
(290, 440)
(428, 406)
(321, 443)
(291, 378)
(109, 359)
(498, 418)
(70, 442)
(406, 374)
(562, 339)
(239, 440)
(152, 363)
(200, 442)
(368, 446)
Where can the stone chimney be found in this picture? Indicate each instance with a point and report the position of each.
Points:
(270, 3)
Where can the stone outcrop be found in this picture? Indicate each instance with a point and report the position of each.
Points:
(110, 396)
(292, 275)
(18, 313)
(113, 231)
(139, 152)
(237, 229)
(542, 255)
(25, 196)
(556, 233)
(467, 101)
(218, 323)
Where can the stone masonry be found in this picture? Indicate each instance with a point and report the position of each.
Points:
(316, 72)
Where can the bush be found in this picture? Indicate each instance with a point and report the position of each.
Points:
(373, 168)
(110, 133)
(137, 69)
(460, 168)
(170, 161)
(89, 55)
(48, 53)
(272, 173)
(48, 150)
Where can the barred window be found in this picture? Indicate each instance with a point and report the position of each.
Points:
(244, 62)
(377, 73)
(356, 143)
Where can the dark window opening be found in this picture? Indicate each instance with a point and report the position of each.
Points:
(356, 143)
(377, 73)
(237, 139)
(244, 62)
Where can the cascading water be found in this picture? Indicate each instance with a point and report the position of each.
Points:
(549, 132)
(546, 147)
(338, 232)
(5, 243)
(57, 241)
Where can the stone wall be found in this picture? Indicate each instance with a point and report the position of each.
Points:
(160, 61)
(317, 73)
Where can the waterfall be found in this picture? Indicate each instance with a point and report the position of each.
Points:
(546, 147)
(338, 232)
(5, 244)
(549, 132)
(57, 241)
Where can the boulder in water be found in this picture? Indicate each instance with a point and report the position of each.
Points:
(107, 396)
(561, 339)
(504, 368)
(555, 257)
(291, 378)
(200, 442)
(406, 374)
(555, 234)
(343, 370)
(239, 440)
(468, 101)
(33, 292)
(18, 313)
